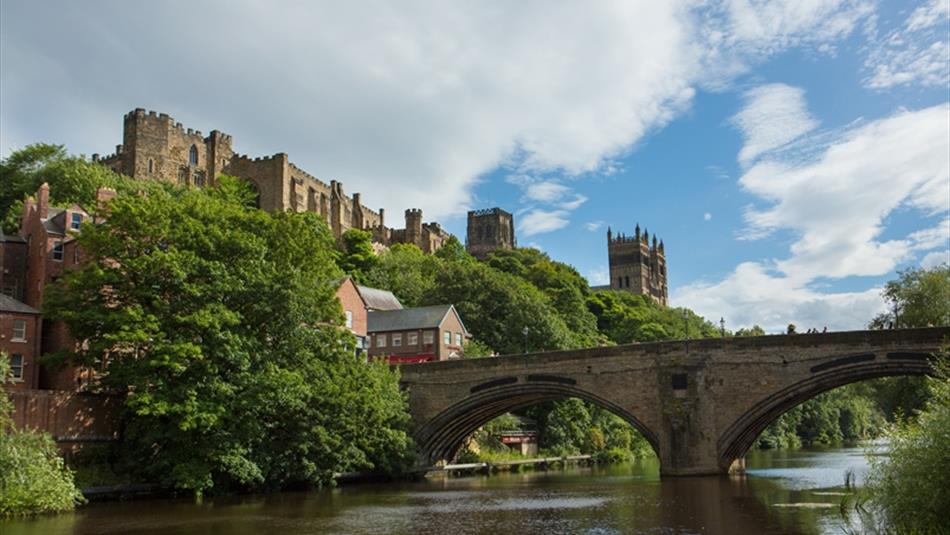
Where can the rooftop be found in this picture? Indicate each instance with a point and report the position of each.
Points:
(9, 304)
(408, 318)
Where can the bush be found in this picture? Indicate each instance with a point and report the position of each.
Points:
(33, 477)
(911, 485)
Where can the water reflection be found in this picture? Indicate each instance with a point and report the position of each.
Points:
(598, 500)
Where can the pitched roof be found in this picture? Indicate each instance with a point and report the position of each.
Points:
(10, 238)
(9, 304)
(409, 318)
(377, 299)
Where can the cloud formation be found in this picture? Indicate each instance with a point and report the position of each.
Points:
(835, 200)
(773, 116)
(916, 53)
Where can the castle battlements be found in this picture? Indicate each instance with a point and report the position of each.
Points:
(636, 266)
(156, 147)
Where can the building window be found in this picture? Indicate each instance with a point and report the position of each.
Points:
(619, 282)
(412, 339)
(193, 155)
(626, 281)
(76, 255)
(150, 166)
(75, 221)
(397, 340)
(19, 331)
(349, 319)
(447, 337)
(458, 339)
(16, 367)
(183, 174)
(58, 251)
(223, 162)
(427, 338)
(380, 340)
(199, 179)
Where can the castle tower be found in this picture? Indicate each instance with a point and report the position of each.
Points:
(636, 266)
(489, 230)
(414, 227)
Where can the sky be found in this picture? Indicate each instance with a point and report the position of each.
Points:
(793, 155)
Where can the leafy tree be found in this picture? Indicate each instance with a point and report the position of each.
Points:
(755, 330)
(33, 477)
(920, 297)
(357, 257)
(405, 271)
(218, 323)
(72, 179)
(912, 483)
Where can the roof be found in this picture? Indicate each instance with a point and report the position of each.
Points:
(9, 304)
(53, 224)
(410, 318)
(10, 238)
(377, 299)
(601, 287)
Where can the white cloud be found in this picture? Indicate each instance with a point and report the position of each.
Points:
(916, 53)
(934, 259)
(835, 200)
(599, 276)
(751, 296)
(707, 216)
(773, 116)
(429, 96)
(538, 221)
(593, 226)
(546, 191)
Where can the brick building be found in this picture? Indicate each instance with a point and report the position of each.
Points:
(417, 334)
(155, 147)
(636, 266)
(20, 341)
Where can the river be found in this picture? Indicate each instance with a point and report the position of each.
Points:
(793, 491)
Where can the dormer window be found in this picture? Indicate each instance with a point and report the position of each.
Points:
(193, 155)
(75, 221)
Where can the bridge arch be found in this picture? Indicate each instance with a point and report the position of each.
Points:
(442, 436)
(739, 437)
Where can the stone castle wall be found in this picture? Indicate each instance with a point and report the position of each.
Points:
(155, 147)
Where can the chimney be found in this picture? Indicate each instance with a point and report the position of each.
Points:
(103, 196)
(28, 206)
(42, 200)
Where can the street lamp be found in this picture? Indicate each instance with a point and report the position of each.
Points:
(686, 322)
(525, 332)
(722, 326)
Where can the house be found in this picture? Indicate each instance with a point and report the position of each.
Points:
(357, 301)
(420, 334)
(20, 341)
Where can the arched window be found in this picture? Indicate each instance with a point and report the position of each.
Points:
(193, 155)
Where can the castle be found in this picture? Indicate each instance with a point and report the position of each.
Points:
(155, 147)
(636, 266)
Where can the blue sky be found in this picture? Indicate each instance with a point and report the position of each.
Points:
(792, 154)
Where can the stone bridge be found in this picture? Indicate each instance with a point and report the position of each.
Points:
(700, 403)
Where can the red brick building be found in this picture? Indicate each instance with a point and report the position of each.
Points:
(417, 334)
(20, 341)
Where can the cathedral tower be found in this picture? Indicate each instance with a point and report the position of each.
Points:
(636, 266)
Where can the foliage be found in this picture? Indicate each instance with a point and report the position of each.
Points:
(33, 477)
(921, 298)
(626, 318)
(72, 179)
(405, 271)
(219, 324)
(356, 256)
(755, 330)
(912, 483)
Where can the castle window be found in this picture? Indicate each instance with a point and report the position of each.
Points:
(150, 166)
(58, 251)
(183, 175)
(619, 282)
(193, 155)
(627, 281)
(199, 178)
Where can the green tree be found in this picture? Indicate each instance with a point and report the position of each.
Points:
(218, 323)
(72, 179)
(911, 484)
(357, 257)
(407, 272)
(33, 477)
(920, 297)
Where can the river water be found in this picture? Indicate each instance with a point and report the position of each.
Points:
(796, 491)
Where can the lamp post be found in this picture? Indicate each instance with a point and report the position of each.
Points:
(525, 332)
(722, 326)
(686, 322)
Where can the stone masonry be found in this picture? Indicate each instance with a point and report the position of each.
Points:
(489, 230)
(636, 266)
(155, 147)
(701, 404)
